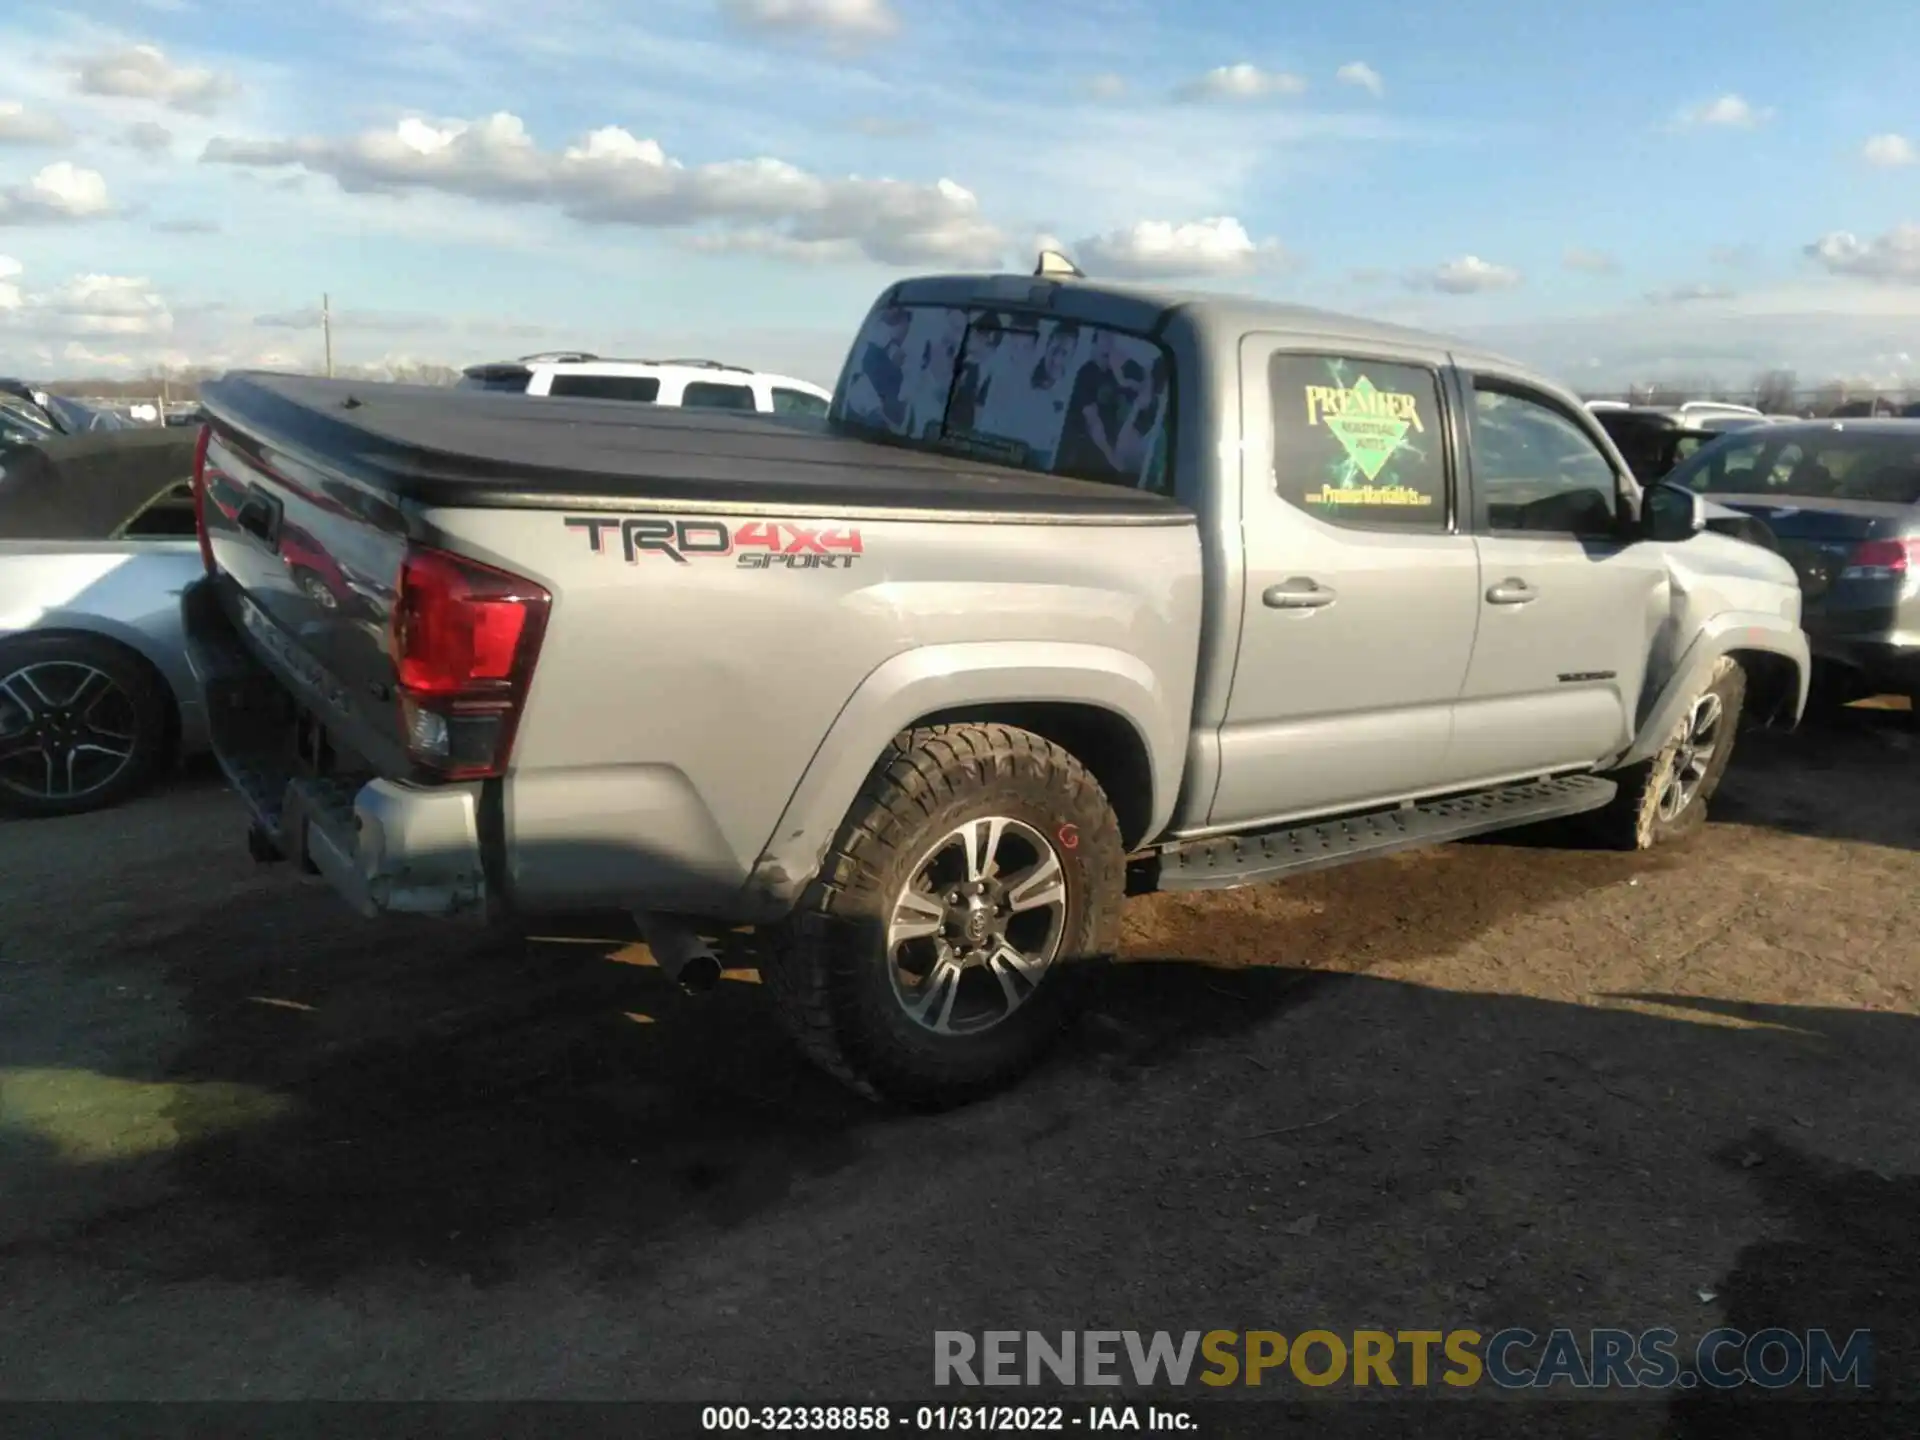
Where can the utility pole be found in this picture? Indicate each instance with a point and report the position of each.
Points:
(326, 331)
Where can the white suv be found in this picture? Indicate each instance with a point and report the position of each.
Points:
(696, 383)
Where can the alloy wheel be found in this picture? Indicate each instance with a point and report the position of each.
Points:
(67, 730)
(976, 928)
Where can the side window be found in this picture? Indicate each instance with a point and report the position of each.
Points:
(638, 389)
(1357, 442)
(712, 395)
(1536, 471)
(797, 402)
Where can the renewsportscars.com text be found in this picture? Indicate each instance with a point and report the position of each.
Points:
(1510, 1359)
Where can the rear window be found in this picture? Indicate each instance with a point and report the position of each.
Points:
(511, 379)
(711, 395)
(797, 402)
(638, 389)
(1810, 465)
(1038, 393)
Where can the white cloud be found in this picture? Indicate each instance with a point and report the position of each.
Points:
(1889, 151)
(84, 306)
(1892, 258)
(1105, 87)
(774, 245)
(21, 126)
(888, 127)
(613, 177)
(838, 19)
(1689, 294)
(1591, 262)
(1160, 250)
(105, 305)
(384, 322)
(186, 227)
(1469, 275)
(58, 192)
(143, 72)
(147, 137)
(1823, 329)
(1728, 112)
(1241, 82)
(1364, 76)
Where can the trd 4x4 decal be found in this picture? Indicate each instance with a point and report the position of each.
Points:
(752, 544)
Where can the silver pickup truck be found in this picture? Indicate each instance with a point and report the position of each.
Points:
(1078, 586)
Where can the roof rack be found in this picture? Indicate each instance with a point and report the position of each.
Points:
(701, 365)
(558, 357)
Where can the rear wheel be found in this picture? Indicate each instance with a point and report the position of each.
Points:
(1665, 798)
(938, 953)
(83, 724)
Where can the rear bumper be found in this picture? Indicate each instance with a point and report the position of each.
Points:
(382, 845)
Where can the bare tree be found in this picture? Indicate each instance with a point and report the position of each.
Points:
(1774, 392)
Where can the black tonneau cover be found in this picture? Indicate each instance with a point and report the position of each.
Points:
(86, 487)
(435, 446)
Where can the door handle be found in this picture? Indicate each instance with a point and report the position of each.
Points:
(1299, 593)
(1512, 591)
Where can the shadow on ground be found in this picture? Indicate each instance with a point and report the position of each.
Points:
(1841, 776)
(528, 1169)
(1496, 1160)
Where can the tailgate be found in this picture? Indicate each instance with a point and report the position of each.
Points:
(312, 563)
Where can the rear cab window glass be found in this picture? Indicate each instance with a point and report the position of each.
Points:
(1358, 443)
(797, 402)
(1087, 402)
(508, 379)
(637, 389)
(712, 395)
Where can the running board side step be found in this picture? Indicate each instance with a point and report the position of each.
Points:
(1233, 860)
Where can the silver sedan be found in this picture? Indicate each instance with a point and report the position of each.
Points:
(95, 696)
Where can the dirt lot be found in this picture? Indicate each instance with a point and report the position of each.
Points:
(253, 1147)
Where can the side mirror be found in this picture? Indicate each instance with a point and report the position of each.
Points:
(1671, 512)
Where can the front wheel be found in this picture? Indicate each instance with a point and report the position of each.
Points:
(936, 955)
(1665, 798)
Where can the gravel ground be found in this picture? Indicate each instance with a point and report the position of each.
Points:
(253, 1147)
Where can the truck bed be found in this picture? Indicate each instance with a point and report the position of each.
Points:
(476, 449)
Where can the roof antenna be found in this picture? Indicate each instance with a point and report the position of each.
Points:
(1052, 262)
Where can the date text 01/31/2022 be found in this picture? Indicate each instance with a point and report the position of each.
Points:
(977, 1419)
(752, 544)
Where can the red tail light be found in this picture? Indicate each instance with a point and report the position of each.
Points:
(1884, 559)
(464, 638)
(200, 495)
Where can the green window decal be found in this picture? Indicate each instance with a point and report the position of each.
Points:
(1354, 441)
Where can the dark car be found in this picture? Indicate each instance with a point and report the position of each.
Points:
(1843, 499)
(1652, 441)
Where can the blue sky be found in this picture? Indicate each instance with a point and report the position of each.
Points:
(1614, 192)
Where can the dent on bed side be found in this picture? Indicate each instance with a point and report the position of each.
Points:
(988, 679)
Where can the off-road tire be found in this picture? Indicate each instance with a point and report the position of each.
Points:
(1632, 820)
(827, 967)
(152, 709)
